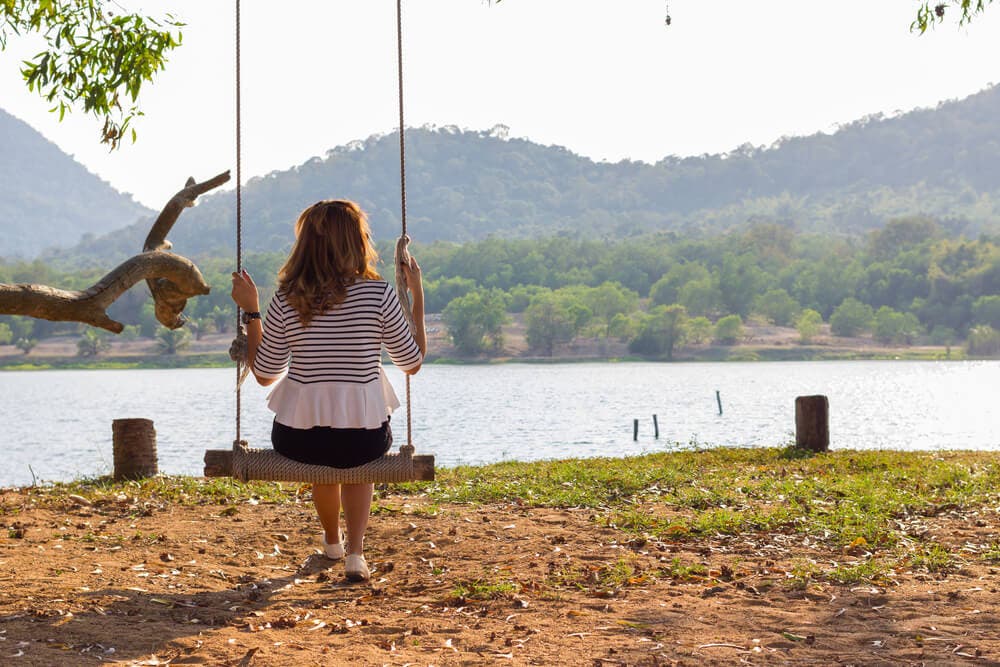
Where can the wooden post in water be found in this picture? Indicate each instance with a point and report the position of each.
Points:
(635, 429)
(812, 423)
(656, 428)
(718, 399)
(134, 443)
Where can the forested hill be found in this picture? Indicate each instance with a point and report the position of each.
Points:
(467, 185)
(47, 198)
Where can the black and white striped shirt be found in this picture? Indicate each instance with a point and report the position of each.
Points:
(343, 344)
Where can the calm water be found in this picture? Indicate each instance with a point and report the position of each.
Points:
(58, 423)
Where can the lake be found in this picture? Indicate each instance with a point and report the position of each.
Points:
(57, 424)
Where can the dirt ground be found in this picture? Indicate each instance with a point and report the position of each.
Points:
(132, 582)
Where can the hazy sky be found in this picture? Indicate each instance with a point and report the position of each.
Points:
(605, 79)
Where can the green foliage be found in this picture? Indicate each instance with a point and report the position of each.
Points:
(26, 344)
(666, 290)
(439, 293)
(474, 321)
(130, 332)
(609, 300)
(701, 297)
(739, 280)
(729, 329)
(894, 327)
(92, 342)
(986, 310)
(932, 13)
(935, 283)
(661, 331)
(6, 335)
(984, 341)
(777, 306)
(172, 341)
(95, 56)
(699, 330)
(551, 319)
(808, 324)
(851, 318)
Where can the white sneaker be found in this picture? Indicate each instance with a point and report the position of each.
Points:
(333, 551)
(356, 569)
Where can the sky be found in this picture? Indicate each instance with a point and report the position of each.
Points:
(607, 80)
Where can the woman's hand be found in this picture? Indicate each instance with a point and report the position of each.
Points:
(413, 276)
(245, 292)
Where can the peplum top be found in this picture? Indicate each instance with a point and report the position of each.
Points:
(332, 368)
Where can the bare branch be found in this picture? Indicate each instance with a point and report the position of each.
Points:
(185, 198)
(172, 279)
(88, 306)
(170, 299)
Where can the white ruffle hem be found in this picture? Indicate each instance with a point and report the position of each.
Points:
(334, 404)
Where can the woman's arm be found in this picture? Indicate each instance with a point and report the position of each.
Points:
(246, 297)
(414, 282)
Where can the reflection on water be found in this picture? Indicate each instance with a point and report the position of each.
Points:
(57, 424)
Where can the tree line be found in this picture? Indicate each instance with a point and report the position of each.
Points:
(906, 282)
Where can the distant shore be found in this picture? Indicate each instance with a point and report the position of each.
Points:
(772, 344)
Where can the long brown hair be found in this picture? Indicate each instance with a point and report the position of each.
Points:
(332, 249)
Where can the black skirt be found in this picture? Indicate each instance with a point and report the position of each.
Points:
(335, 447)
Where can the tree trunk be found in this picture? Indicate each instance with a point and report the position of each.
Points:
(134, 448)
(812, 423)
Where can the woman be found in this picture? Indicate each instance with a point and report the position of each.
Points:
(326, 325)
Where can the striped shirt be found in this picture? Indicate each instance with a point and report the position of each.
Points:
(342, 345)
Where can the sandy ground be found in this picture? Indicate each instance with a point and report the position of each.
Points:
(145, 583)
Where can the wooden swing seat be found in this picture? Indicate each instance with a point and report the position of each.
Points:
(246, 463)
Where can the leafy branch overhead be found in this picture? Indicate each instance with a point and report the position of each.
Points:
(94, 57)
(931, 13)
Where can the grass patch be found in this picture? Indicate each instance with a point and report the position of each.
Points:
(932, 558)
(608, 577)
(681, 571)
(485, 590)
(844, 499)
(992, 554)
(840, 496)
(866, 572)
(169, 489)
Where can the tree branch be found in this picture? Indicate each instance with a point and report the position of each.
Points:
(169, 298)
(88, 306)
(172, 279)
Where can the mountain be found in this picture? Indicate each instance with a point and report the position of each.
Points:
(466, 185)
(47, 198)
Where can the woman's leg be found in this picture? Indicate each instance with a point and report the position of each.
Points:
(326, 498)
(357, 506)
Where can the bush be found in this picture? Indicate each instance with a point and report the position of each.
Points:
(808, 324)
(895, 327)
(851, 318)
(777, 306)
(984, 341)
(92, 342)
(729, 329)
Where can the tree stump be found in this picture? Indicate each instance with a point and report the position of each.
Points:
(812, 423)
(134, 448)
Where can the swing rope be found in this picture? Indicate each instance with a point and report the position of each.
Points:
(402, 197)
(241, 361)
(266, 464)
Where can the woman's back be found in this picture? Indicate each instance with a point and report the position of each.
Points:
(342, 344)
